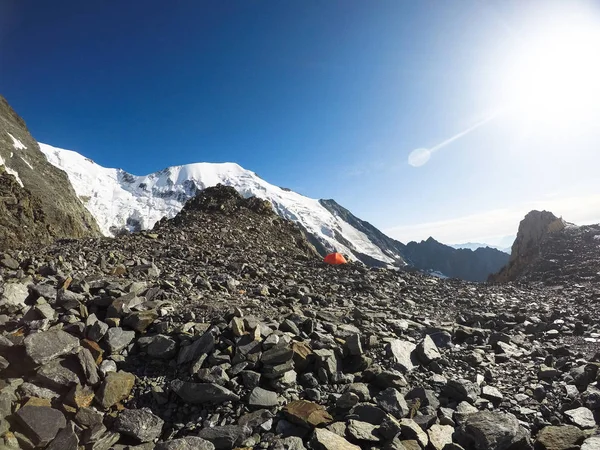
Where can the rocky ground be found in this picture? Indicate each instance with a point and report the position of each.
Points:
(223, 329)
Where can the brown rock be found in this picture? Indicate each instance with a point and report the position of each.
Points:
(94, 349)
(307, 413)
(116, 387)
(564, 437)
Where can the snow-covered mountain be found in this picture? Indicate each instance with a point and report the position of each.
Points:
(119, 200)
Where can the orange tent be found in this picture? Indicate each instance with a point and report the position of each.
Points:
(335, 259)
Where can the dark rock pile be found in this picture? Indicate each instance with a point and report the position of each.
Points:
(222, 329)
(550, 250)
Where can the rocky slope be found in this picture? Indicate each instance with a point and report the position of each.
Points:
(466, 264)
(551, 250)
(222, 329)
(37, 202)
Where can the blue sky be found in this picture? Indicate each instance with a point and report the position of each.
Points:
(326, 98)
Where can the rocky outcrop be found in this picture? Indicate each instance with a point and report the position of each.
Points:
(551, 250)
(466, 264)
(37, 202)
(222, 329)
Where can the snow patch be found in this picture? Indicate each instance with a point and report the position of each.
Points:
(27, 162)
(13, 172)
(17, 144)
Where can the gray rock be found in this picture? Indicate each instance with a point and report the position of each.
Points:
(592, 443)
(139, 424)
(262, 398)
(95, 329)
(367, 412)
(485, 430)
(117, 339)
(289, 443)
(582, 417)
(204, 345)
(202, 392)
(186, 443)
(3, 363)
(41, 424)
(323, 439)
(89, 367)
(225, 437)
(31, 390)
(402, 354)
(347, 400)
(354, 345)
(491, 393)
(162, 347)
(216, 374)
(462, 390)
(14, 294)
(66, 439)
(559, 437)
(392, 402)
(48, 345)
(412, 431)
(362, 431)
(59, 374)
(427, 351)
(88, 417)
(280, 354)
(440, 436)
(107, 366)
(255, 418)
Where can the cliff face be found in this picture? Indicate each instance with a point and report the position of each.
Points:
(534, 231)
(37, 201)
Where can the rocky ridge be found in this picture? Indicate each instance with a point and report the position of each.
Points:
(222, 329)
(550, 250)
(37, 202)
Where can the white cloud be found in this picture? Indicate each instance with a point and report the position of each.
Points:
(492, 226)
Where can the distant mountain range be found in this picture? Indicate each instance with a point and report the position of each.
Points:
(476, 245)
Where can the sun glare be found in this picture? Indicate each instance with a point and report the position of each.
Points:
(553, 76)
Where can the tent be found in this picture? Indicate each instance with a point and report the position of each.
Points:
(335, 259)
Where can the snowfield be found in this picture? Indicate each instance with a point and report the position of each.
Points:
(120, 200)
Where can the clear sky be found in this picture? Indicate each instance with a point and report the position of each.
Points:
(499, 99)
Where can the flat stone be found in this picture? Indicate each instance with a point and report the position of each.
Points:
(116, 387)
(402, 354)
(462, 390)
(225, 437)
(14, 294)
(66, 439)
(563, 437)
(582, 417)
(392, 402)
(88, 417)
(48, 345)
(412, 431)
(140, 320)
(202, 392)
(354, 345)
(60, 374)
(117, 339)
(139, 424)
(289, 443)
(323, 439)
(491, 393)
(427, 351)
(89, 367)
(262, 398)
(204, 345)
(277, 355)
(485, 430)
(186, 443)
(362, 431)
(592, 443)
(440, 436)
(41, 424)
(162, 347)
(307, 414)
